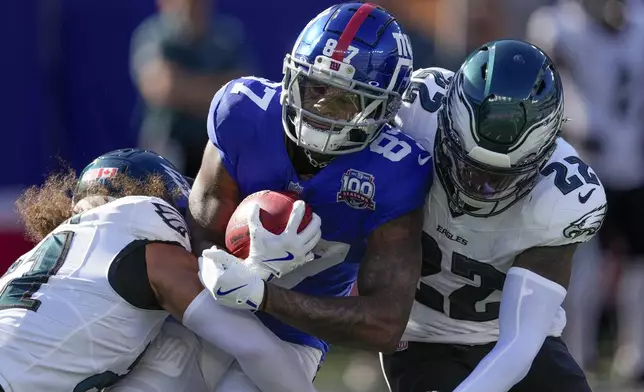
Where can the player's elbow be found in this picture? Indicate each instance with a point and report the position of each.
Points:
(519, 364)
(391, 331)
(391, 341)
(520, 352)
(387, 346)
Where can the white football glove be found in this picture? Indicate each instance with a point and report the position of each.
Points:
(279, 254)
(230, 280)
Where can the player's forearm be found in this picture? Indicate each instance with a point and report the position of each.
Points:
(529, 304)
(357, 322)
(499, 371)
(202, 237)
(207, 218)
(240, 334)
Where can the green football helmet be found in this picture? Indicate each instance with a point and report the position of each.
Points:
(498, 125)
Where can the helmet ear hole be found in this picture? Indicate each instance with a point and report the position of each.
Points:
(357, 136)
(541, 87)
(484, 71)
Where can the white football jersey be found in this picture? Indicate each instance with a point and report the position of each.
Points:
(62, 325)
(465, 259)
(607, 70)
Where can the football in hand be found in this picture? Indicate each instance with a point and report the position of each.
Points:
(274, 214)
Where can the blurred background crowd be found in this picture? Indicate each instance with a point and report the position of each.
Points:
(79, 78)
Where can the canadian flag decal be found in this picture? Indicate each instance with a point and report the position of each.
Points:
(102, 172)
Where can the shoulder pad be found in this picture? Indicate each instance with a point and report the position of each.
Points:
(437, 75)
(240, 103)
(238, 113)
(417, 115)
(249, 92)
(151, 218)
(569, 201)
(403, 176)
(394, 145)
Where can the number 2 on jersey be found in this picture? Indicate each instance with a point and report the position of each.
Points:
(47, 260)
(463, 301)
(420, 90)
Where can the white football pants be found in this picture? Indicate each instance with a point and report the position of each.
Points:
(179, 361)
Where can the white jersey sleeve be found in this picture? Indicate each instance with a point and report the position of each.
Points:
(147, 218)
(569, 203)
(65, 326)
(417, 116)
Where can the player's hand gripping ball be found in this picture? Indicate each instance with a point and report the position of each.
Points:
(274, 231)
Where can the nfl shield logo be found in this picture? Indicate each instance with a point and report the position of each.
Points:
(334, 65)
(295, 187)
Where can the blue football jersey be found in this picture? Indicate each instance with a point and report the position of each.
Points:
(353, 195)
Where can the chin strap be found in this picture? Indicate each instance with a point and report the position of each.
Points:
(314, 163)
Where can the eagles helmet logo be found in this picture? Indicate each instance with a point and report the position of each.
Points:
(588, 225)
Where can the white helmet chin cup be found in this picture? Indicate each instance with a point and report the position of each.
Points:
(318, 140)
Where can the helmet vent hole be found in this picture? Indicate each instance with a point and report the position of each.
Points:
(541, 87)
(484, 71)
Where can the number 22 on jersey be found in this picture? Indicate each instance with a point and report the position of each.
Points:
(464, 302)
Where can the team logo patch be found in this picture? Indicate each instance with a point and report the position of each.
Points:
(295, 187)
(358, 190)
(587, 225)
(101, 172)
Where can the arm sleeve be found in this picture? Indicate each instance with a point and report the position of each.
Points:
(529, 304)
(260, 353)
